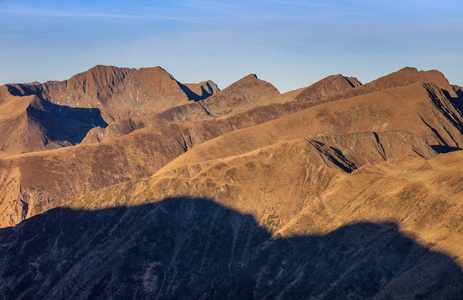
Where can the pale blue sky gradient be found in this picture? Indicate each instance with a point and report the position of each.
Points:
(288, 43)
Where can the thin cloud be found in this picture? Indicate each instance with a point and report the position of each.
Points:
(210, 5)
(60, 14)
(77, 15)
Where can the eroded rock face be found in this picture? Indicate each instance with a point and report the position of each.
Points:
(373, 147)
(190, 248)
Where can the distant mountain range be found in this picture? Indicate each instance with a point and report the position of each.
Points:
(125, 183)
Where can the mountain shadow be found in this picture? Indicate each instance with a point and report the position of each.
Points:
(195, 96)
(64, 123)
(186, 248)
(444, 149)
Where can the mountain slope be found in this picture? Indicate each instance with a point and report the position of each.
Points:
(423, 110)
(119, 93)
(182, 246)
(407, 190)
(243, 95)
(61, 113)
(247, 97)
(334, 191)
(393, 109)
(272, 183)
(328, 88)
(32, 124)
(331, 88)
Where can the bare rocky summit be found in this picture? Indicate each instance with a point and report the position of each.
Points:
(61, 113)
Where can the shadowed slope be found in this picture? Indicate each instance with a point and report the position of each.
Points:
(63, 123)
(190, 248)
(32, 124)
(458, 90)
(203, 89)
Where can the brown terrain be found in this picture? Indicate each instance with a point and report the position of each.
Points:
(168, 190)
(60, 113)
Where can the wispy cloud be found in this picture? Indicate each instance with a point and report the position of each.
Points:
(66, 14)
(146, 15)
(210, 5)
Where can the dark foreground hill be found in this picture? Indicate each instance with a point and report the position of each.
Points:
(186, 248)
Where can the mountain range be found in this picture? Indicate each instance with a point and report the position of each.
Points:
(126, 183)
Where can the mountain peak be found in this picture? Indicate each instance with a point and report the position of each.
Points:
(328, 87)
(409, 69)
(248, 78)
(411, 75)
(251, 81)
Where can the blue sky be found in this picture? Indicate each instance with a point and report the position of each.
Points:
(288, 43)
